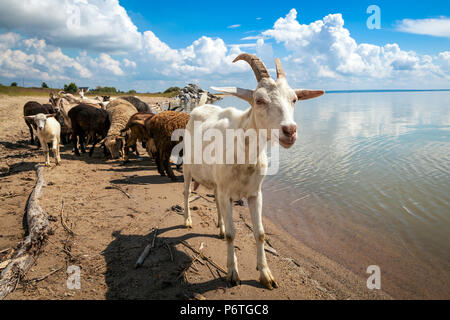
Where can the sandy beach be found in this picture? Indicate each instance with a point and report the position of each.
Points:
(112, 209)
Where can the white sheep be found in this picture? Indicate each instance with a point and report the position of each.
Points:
(48, 131)
(272, 108)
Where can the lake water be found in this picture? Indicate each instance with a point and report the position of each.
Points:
(368, 183)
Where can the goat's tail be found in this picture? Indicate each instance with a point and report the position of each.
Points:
(203, 99)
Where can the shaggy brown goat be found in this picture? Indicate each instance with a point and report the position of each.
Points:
(159, 129)
(135, 130)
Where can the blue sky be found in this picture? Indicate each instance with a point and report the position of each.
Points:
(189, 22)
(149, 45)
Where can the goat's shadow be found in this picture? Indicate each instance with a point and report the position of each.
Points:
(19, 144)
(159, 276)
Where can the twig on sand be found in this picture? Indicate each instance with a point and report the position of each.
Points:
(146, 251)
(45, 276)
(192, 263)
(201, 196)
(5, 250)
(64, 224)
(200, 254)
(170, 251)
(121, 190)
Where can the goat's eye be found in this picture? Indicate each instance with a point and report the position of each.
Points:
(294, 101)
(260, 101)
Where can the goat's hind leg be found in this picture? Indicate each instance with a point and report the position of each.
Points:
(55, 150)
(220, 223)
(94, 142)
(168, 168)
(226, 211)
(31, 132)
(187, 192)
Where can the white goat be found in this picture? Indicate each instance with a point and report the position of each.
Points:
(48, 131)
(272, 107)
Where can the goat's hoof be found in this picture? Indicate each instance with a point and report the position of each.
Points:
(233, 278)
(267, 280)
(188, 224)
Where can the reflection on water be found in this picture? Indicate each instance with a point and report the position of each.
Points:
(368, 181)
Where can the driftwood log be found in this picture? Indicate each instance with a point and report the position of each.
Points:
(38, 228)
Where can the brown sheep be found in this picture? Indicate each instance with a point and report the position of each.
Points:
(159, 129)
(135, 130)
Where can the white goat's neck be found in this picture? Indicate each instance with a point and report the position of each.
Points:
(247, 121)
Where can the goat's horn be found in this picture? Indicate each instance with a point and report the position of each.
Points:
(280, 70)
(258, 67)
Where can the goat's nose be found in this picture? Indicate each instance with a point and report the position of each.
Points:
(289, 130)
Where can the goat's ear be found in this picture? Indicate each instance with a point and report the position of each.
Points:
(244, 94)
(29, 118)
(50, 115)
(304, 94)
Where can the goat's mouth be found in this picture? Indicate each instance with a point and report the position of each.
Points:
(287, 142)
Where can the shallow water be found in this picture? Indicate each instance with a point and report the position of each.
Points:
(368, 183)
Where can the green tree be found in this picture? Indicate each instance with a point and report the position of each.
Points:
(173, 89)
(106, 90)
(71, 88)
(132, 91)
(44, 85)
(14, 84)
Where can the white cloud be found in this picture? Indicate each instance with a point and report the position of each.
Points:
(32, 58)
(234, 26)
(433, 27)
(252, 38)
(128, 63)
(100, 25)
(324, 49)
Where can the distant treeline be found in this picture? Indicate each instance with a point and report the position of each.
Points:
(14, 90)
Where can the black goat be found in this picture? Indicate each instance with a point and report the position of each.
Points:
(91, 121)
(140, 105)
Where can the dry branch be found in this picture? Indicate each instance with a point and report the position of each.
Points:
(209, 260)
(170, 251)
(121, 190)
(5, 250)
(45, 276)
(61, 214)
(38, 227)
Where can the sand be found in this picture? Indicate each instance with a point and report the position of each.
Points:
(111, 231)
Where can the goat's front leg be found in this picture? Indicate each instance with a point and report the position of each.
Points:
(225, 210)
(46, 152)
(187, 192)
(255, 206)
